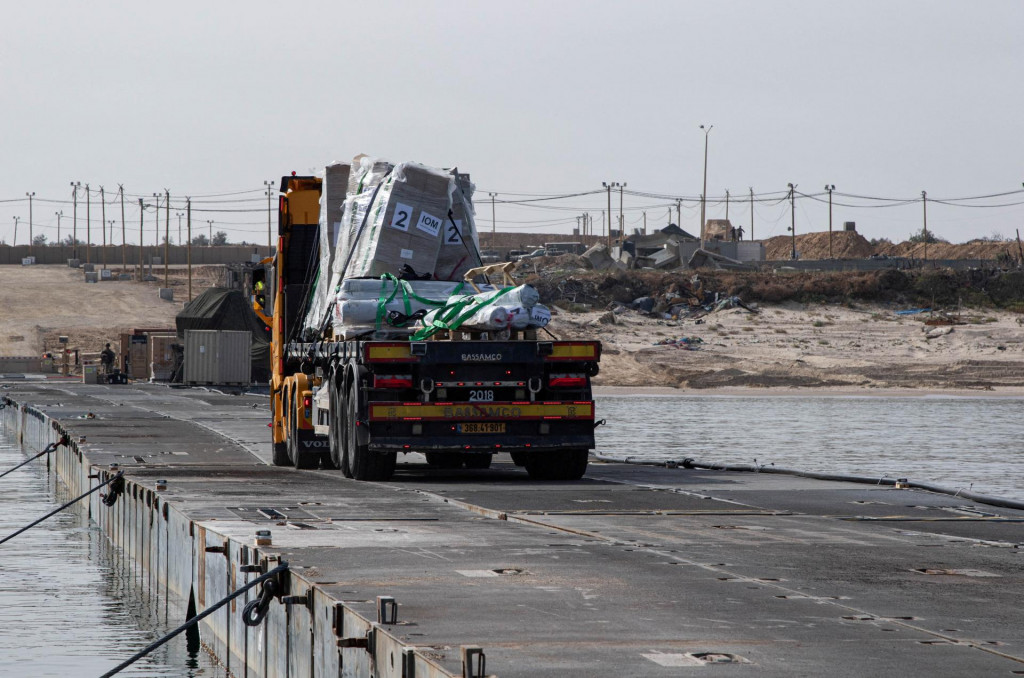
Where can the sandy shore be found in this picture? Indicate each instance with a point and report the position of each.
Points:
(840, 350)
(783, 348)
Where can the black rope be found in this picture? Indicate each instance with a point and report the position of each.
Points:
(46, 450)
(118, 477)
(195, 620)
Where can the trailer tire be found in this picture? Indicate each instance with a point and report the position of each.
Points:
(561, 465)
(365, 465)
(477, 461)
(335, 434)
(444, 459)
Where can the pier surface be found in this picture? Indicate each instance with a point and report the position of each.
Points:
(633, 571)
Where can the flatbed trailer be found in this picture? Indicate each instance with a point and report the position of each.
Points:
(355, 404)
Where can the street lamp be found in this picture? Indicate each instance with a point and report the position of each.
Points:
(704, 193)
(830, 188)
(30, 196)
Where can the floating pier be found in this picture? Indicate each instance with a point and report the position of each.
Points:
(633, 571)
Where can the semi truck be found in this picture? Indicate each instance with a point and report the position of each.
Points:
(354, 403)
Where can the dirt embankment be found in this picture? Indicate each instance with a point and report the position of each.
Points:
(838, 330)
(40, 303)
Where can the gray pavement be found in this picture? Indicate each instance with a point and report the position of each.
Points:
(633, 571)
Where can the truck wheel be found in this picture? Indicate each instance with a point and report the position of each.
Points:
(365, 465)
(333, 457)
(302, 457)
(280, 454)
(444, 459)
(477, 460)
(565, 465)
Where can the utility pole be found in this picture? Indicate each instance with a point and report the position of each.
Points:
(578, 232)
(494, 227)
(74, 234)
(167, 233)
(103, 218)
(112, 222)
(179, 215)
(792, 217)
(88, 224)
(142, 213)
(751, 212)
(124, 251)
(830, 188)
(645, 222)
(30, 235)
(727, 204)
(270, 193)
(609, 187)
(188, 221)
(924, 228)
(622, 219)
(59, 243)
(15, 243)
(705, 191)
(156, 233)
(210, 222)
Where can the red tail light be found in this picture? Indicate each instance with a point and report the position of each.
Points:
(567, 381)
(307, 402)
(392, 381)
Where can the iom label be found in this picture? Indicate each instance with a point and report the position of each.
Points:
(453, 232)
(402, 217)
(428, 223)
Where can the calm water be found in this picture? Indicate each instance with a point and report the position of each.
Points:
(953, 441)
(70, 603)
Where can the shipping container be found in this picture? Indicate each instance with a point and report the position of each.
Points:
(217, 357)
(161, 356)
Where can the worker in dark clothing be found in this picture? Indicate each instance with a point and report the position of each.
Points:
(107, 360)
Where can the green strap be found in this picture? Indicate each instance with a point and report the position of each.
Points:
(407, 295)
(443, 319)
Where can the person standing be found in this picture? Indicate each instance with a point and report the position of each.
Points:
(107, 360)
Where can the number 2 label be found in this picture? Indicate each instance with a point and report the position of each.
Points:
(401, 217)
(453, 233)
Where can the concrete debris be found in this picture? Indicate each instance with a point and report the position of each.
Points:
(936, 332)
(704, 259)
(599, 258)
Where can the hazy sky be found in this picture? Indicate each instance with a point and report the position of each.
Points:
(882, 99)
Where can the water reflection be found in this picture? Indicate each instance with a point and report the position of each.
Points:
(70, 603)
(953, 441)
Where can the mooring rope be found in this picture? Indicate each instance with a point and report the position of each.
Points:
(271, 575)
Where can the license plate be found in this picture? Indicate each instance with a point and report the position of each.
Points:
(482, 427)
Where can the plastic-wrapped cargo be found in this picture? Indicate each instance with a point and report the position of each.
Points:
(364, 304)
(460, 242)
(333, 192)
(473, 312)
